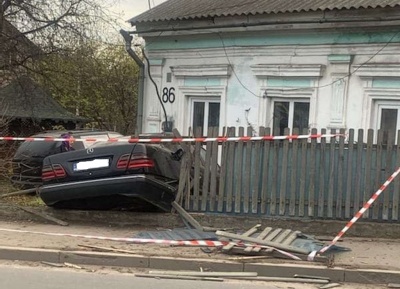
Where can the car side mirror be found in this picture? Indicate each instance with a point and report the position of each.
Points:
(177, 155)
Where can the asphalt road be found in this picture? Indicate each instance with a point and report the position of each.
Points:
(17, 275)
(39, 277)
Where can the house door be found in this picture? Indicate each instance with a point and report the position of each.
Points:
(205, 113)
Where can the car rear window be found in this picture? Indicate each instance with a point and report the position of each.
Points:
(37, 149)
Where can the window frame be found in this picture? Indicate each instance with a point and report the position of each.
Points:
(377, 111)
(291, 102)
(206, 100)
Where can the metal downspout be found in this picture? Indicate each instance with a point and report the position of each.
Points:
(128, 47)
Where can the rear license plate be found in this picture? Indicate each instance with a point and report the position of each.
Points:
(93, 164)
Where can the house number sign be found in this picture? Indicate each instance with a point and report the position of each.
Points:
(168, 95)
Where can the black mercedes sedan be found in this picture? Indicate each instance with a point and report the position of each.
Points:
(120, 175)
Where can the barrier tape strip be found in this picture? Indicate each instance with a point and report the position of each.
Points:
(191, 243)
(358, 214)
(174, 140)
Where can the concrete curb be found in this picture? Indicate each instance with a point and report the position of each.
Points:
(168, 263)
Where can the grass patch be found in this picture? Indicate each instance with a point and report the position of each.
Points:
(25, 200)
(29, 200)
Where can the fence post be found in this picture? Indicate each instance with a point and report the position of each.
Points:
(265, 184)
(331, 180)
(293, 175)
(311, 192)
(395, 205)
(349, 174)
(303, 175)
(322, 167)
(239, 172)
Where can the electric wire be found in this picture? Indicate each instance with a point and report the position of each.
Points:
(316, 87)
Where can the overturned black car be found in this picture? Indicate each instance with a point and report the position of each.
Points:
(120, 175)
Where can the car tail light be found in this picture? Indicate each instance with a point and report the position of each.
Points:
(134, 162)
(50, 172)
(123, 161)
(141, 161)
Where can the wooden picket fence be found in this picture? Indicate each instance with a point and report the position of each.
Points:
(329, 178)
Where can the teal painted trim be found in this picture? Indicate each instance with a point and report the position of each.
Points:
(386, 83)
(156, 61)
(201, 81)
(339, 58)
(288, 82)
(264, 39)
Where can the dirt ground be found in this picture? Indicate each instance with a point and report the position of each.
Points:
(365, 253)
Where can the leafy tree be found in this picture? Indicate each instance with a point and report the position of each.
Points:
(51, 25)
(96, 81)
(61, 43)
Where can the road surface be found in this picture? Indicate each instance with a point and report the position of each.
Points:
(37, 276)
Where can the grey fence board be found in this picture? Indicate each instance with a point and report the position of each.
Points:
(308, 178)
(311, 190)
(340, 178)
(378, 174)
(349, 175)
(206, 174)
(358, 170)
(388, 172)
(197, 171)
(274, 180)
(229, 170)
(247, 173)
(303, 168)
(368, 170)
(331, 177)
(396, 199)
(293, 176)
(283, 184)
(214, 172)
(322, 166)
(265, 182)
(256, 174)
(222, 177)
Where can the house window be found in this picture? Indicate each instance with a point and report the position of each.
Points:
(205, 113)
(388, 119)
(290, 114)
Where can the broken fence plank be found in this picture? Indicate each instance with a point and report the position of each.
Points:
(293, 236)
(21, 192)
(247, 258)
(42, 215)
(108, 249)
(262, 242)
(310, 277)
(283, 279)
(248, 233)
(331, 285)
(52, 264)
(179, 277)
(204, 274)
(186, 216)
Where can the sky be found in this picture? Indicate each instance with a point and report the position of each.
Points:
(130, 8)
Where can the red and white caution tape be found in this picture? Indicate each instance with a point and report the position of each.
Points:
(358, 215)
(190, 243)
(174, 140)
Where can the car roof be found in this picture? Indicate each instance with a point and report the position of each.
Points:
(75, 133)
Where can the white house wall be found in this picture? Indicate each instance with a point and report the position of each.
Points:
(242, 91)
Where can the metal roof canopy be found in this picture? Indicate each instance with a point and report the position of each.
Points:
(197, 9)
